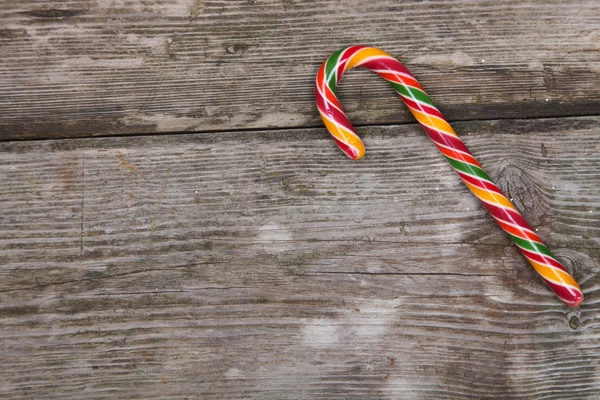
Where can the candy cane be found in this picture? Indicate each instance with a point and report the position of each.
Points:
(451, 146)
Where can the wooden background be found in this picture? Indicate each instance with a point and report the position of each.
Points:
(177, 224)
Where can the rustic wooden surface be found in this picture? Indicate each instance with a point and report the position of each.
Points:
(249, 258)
(265, 265)
(84, 67)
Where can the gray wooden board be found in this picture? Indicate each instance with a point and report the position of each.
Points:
(266, 265)
(83, 67)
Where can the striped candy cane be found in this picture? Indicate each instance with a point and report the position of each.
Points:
(448, 142)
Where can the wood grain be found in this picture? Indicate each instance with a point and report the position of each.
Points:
(85, 68)
(266, 265)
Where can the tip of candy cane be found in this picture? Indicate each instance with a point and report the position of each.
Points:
(575, 301)
(355, 152)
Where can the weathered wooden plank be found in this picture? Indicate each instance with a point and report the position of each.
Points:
(266, 265)
(83, 67)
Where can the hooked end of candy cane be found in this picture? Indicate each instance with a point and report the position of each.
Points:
(355, 149)
(345, 138)
(359, 156)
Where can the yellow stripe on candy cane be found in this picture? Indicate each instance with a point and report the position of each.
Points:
(490, 197)
(433, 121)
(555, 275)
(362, 54)
(344, 135)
